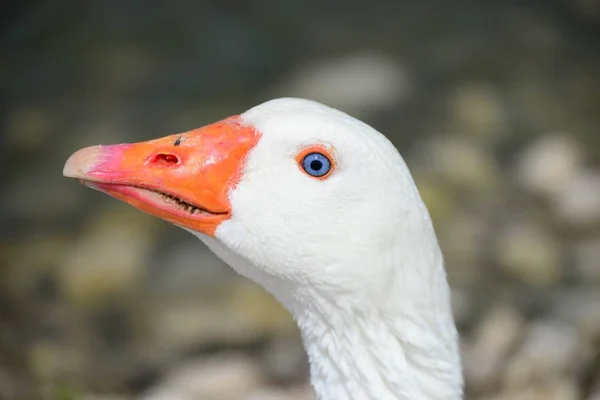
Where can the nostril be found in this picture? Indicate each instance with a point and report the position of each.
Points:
(165, 159)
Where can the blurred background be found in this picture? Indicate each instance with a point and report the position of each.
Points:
(495, 106)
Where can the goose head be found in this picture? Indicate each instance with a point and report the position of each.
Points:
(320, 209)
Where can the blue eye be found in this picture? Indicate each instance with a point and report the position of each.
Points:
(316, 164)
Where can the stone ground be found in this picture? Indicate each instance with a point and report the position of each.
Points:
(494, 106)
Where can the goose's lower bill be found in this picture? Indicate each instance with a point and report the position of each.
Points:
(183, 178)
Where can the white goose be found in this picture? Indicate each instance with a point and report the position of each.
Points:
(321, 210)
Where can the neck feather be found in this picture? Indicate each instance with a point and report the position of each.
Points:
(402, 348)
(373, 355)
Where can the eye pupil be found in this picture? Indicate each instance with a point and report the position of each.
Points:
(316, 164)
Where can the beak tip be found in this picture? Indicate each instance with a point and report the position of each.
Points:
(70, 171)
(82, 162)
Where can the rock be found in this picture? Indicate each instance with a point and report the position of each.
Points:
(548, 165)
(110, 256)
(358, 83)
(493, 341)
(477, 109)
(529, 253)
(587, 259)
(546, 354)
(220, 378)
(578, 203)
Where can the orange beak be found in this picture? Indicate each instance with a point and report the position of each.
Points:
(184, 178)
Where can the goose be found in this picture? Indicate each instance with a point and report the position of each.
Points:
(321, 210)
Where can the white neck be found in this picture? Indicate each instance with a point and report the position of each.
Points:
(374, 355)
(404, 348)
